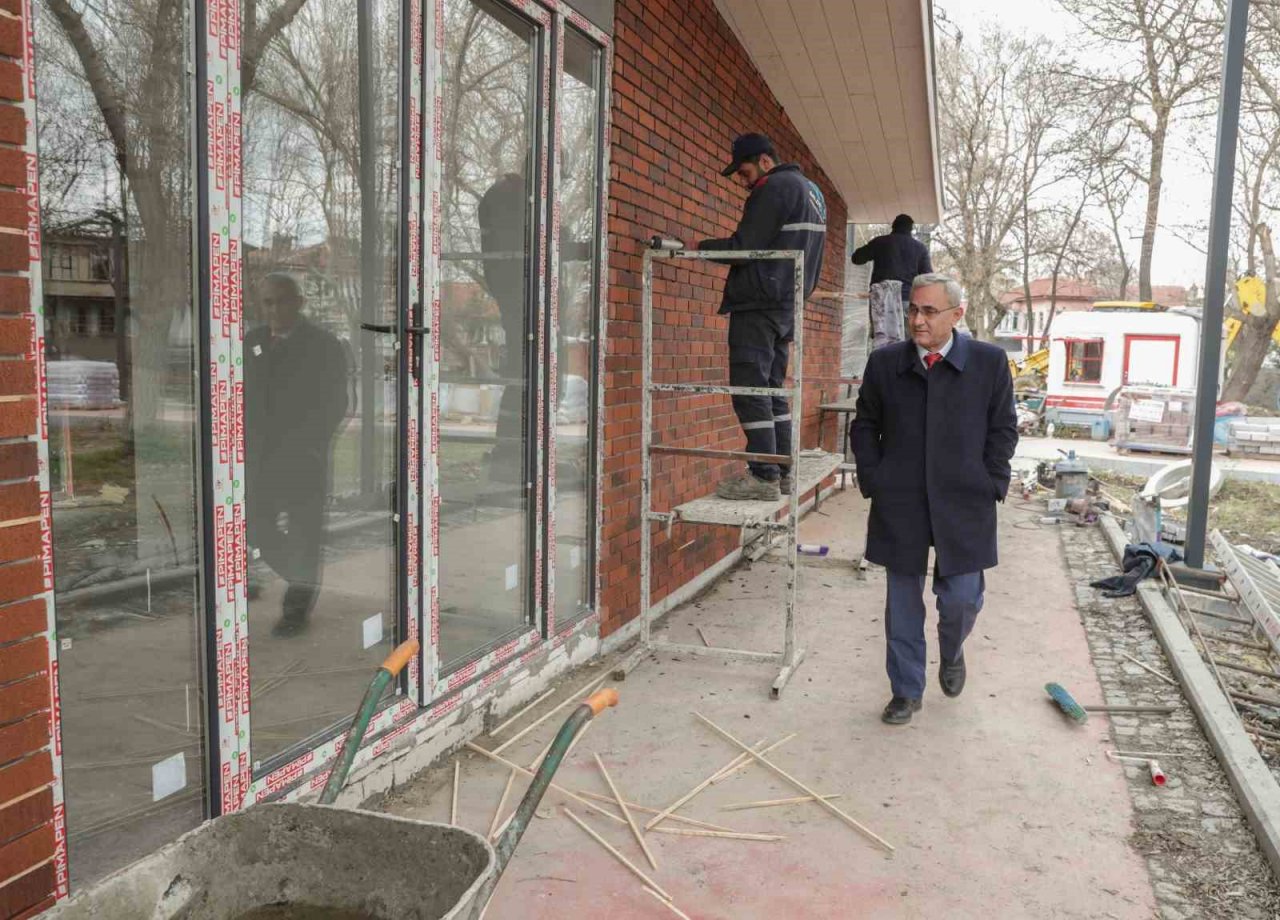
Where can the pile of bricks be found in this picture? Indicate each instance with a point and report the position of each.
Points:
(1254, 437)
(1154, 419)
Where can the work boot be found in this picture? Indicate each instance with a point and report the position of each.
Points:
(748, 488)
(786, 483)
(899, 710)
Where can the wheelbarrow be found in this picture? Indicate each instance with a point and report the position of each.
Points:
(318, 862)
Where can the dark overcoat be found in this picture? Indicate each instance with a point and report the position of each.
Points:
(933, 451)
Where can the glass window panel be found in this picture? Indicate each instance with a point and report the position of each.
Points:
(580, 117)
(116, 199)
(321, 206)
(489, 268)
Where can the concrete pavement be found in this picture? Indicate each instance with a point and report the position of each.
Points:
(998, 807)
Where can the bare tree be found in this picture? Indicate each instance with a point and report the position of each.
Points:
(1001, 131)
(1258, 187)
(1163, 64)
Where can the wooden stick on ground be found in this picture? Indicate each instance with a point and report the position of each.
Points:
(730, 835)
(773, 803)
(671, 907)
(703, 637)
(744, 761)
(625, 813)
(610, 847)
(493, 825)
(795, 782)
(560, 789)
(1163, 677)
(581, 796)
(497, 831)
(453, 810)
(573, 744)
(577, 697)
(666, 812)
(515, 718)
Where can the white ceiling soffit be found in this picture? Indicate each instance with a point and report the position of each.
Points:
(856, 77)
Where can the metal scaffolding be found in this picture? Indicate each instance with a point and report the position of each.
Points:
(748, 515)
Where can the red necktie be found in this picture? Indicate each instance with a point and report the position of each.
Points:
(931, 359)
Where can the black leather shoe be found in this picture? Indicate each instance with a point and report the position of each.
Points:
(899, 710)
(951, 676)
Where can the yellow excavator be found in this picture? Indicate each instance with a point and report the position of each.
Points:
(1251, 297)
(1036, 363)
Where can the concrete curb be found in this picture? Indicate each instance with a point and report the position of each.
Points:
(1255, 786)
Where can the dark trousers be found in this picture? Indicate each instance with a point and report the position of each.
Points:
(759, 343)
(959, 602)
(295, 551)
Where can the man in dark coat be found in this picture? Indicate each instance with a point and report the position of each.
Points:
(295, 399)
(898, 257)
(933, 436)
(784, 210)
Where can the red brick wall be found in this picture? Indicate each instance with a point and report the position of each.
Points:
(27, 842)
(683, 87)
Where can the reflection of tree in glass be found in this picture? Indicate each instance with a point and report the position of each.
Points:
(124, 63)
(579, 185)
(486, 117)
(302, 159)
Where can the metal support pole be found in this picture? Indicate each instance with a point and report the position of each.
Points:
(1237, 24)
(793, 509)
(646, 439)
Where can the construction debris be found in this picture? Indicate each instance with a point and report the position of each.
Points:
(612, 849)
(622, 806)
(774, 803)
(867, 832)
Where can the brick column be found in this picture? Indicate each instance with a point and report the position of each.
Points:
(32, 858)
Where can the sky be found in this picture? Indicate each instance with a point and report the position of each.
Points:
(1188, 179)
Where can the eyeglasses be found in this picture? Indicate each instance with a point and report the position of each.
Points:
(929, 313)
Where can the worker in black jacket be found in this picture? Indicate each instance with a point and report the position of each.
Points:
(899, 257)
(784, 210)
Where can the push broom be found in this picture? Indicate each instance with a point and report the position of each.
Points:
(1080, 714)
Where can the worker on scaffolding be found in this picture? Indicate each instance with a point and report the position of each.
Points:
(784, 210)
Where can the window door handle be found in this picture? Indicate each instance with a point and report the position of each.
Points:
(390, 329)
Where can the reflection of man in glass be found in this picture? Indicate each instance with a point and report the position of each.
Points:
(295, 399)
(504, 242)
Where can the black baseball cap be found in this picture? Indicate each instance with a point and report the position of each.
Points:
(746, 146)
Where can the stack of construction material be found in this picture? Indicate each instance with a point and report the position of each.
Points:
(1153, 418)
(855, 329)
(1257, 436)
(75, 384)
